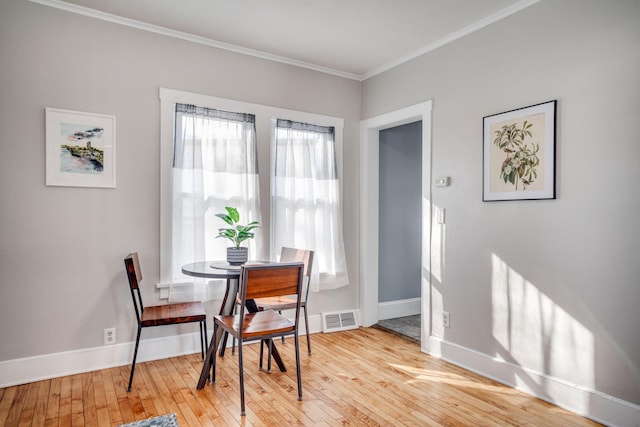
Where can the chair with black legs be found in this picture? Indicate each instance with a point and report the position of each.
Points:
(262, 281)
(168, 314)
(288, 302)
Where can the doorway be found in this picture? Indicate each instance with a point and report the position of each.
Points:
(400, 229)
(369, 212)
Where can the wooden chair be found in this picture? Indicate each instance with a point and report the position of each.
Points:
(288, 302)
(262, 281)
(168, 314)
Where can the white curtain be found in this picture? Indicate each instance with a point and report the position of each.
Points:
(306, 199)
(214, 165)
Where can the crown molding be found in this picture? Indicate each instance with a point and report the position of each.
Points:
(502, 14)
(132, 23)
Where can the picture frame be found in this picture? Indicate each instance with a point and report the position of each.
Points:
(519, 154)
(80, 149)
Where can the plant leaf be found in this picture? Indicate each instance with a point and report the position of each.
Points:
(233, 213)
(225, 218)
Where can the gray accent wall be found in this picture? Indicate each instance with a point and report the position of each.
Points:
(548, 286)
(400, 227)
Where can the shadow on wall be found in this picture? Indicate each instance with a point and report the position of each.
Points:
(548, 347)
(533, 331)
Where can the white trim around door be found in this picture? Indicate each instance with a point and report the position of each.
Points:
(369, 202)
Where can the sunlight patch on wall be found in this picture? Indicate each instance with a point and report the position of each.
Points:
(535, 333)
(437, 243)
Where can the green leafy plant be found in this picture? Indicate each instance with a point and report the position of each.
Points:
(522, 159)
(237, 233)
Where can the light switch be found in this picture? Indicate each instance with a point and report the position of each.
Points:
(440, 215)
(443, 181)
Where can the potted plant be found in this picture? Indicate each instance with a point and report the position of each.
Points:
(237, 233)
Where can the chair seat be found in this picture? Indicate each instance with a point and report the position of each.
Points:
(169, 314)
(256, 324)
(286, 302)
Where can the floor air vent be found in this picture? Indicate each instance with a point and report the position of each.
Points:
(339, 321)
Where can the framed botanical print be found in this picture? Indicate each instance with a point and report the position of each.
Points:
(519, 148)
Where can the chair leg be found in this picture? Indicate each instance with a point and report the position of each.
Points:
(215, 354)
(261, 353)
(306, 324)
(203, 337)
(298, 370)
(233, 339)
(225, 336)
(135, 354)
(280, 312)
(241, 369)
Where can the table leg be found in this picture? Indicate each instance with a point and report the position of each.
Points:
(226, 308)
(208, 360)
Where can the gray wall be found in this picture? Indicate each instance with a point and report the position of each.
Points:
(400, 228)
(553, 286)
(61, 252)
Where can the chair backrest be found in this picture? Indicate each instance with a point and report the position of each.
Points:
(134, 274)
(270, 280)
(303, 255)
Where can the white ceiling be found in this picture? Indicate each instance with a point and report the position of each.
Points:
(351, 38)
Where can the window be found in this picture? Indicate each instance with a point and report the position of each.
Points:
(305, 208)
(239, 122)
(214, 165)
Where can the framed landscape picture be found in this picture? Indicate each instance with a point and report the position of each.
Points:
(519, 150)
(80, 149)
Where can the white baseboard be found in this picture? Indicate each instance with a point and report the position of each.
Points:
(581, 400)
(399, 308)
(46, 366)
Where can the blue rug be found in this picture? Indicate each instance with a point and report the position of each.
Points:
(161, 421)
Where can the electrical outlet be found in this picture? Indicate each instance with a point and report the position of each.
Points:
(109, 336)
(445, 319)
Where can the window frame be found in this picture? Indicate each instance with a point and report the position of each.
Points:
(265, 127)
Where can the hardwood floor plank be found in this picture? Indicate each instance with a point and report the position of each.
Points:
(28, 409)
(7, 397)
(185, 414)
(14, 406)
(40, 410)
(152, 407)
(163, 400)
(77, 401)
(65, 402)
(362, 377)
(101, 408)
(115, 417)
(89, 400)
(53, 401)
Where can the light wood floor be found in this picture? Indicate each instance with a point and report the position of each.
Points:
(364, 377)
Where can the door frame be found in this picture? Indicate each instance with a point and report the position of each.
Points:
(369, 204)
